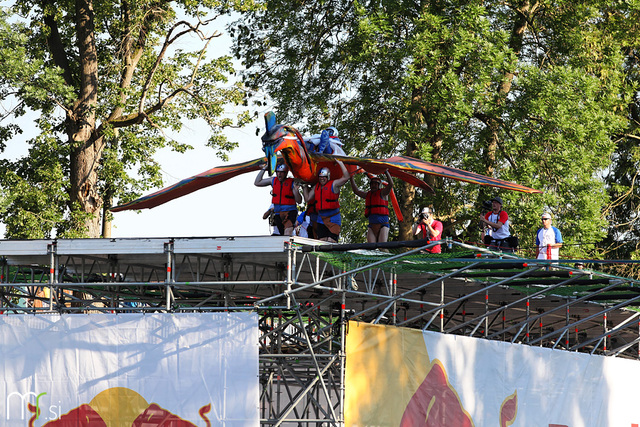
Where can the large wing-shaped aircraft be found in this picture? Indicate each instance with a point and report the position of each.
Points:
(287, 143)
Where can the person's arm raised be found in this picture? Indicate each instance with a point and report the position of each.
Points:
(356, 190)
(260, 181)
(337, 183)
(387, 188)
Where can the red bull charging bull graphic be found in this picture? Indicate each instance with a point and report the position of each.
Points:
(405, 377)
(118, 406)
(129, 370)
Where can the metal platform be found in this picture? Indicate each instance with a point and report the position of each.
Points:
(305, 292)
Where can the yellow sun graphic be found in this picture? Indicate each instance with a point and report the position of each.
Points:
(119, 406)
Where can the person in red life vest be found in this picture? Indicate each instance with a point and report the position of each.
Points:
(326, 195)
(376, 207)
(285, 197)
(429, 228)
(498, 221)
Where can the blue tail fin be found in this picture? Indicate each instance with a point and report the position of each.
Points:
(269, 121)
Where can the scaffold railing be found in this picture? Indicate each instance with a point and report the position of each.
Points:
(306, 291)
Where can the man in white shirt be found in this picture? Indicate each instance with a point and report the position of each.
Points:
(548, 239)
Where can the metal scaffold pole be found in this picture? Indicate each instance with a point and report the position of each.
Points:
(169, 277)
(343, 355)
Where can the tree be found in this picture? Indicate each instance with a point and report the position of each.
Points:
(105, 82)
(622, 24)
(527, 91)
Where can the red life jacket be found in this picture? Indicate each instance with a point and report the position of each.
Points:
(375, 204)
(325, 198)
(282, 192)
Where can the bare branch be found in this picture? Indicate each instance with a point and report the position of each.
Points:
(168, 41)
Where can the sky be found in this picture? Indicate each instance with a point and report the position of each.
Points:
(232, 208)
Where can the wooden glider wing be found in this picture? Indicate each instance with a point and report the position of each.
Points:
(189, 185)
(372, 166)
(403, 167)
(400, 166)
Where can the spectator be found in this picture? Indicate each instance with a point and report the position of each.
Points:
(302, 225)
(498, 220)
(428, 227)
(548, 239)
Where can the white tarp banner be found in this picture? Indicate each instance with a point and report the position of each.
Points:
(129, 370)
(553, 387)
(403, 377)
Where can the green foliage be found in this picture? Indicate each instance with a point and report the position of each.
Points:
(154, 69)
(32, 207)
(535, 93)
(622, 26)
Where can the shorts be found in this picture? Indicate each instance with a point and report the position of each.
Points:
(500, 245)
(329, 224)
(375, 219)
(284, 220)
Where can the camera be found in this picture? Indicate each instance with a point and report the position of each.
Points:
(487, 206)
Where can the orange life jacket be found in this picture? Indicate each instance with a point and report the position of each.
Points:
(375, 204)
(325, 198)
(282, 192)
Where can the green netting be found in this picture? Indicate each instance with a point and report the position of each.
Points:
(455, 258)
(414, 263)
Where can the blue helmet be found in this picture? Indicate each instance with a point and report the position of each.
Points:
(324, 172)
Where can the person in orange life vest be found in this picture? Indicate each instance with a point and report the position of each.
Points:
(285, 197)
(376, 207)
(548, 239)
(326, 194)
(498, 220)
(428, 227)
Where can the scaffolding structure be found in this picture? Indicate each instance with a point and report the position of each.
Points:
(306, 292)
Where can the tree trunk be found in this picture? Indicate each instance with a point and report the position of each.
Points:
(408, 192)
(436, 157)
(524, 12)
(407, 195)
(86, 149)
(106, 216)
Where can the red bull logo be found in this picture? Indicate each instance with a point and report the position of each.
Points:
(437, 404)
(118, 407)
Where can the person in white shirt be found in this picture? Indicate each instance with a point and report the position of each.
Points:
(498, 221)
(548, 239)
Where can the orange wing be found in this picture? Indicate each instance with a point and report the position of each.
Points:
(306, 167)
(402, 167)
(189, 185)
